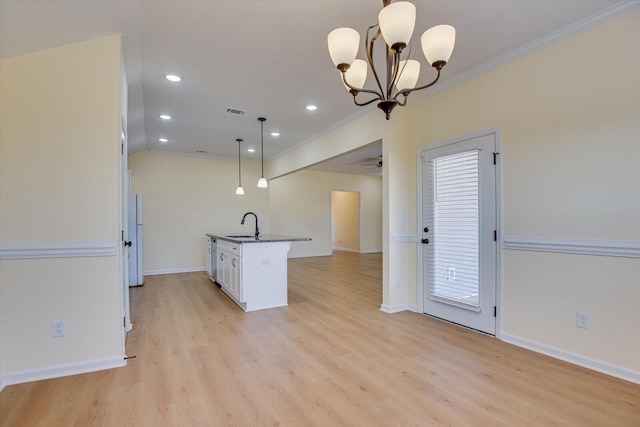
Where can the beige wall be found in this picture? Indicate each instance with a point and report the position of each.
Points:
(59, 182)
(186, 197)
(300, 205)
(345, 220)
(570, 132)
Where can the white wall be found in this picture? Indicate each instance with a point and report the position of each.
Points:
(186, 197)
(345, 220)
(300, 205)
(59, 183)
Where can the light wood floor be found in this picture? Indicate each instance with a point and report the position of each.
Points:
(331, 358)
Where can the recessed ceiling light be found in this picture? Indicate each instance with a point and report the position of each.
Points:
(173, 78)
(251, 150)
(275, 133)
(165, 117)
(163, 140)
(311, 107)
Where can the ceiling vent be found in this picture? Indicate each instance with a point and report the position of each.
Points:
(235, 111)
(202, 152)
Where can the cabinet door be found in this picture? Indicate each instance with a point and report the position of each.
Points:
(208, 255)
(236, 277)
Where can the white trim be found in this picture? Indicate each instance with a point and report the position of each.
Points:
(311, 255)
(398, 308)
(404, 238)
(32, 250)
(61, 371)
(586, 362)
(173, 271)
(345, 250)
(371, 251)
(614, 248)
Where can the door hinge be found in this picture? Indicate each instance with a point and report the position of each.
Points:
(122, 152)
(494, 158)
(124, 322)
(122, 235)
(495, 311)
(495, 235)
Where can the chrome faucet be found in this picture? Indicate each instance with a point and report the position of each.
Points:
(256, 217)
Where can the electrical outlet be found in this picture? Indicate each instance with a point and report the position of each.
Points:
(58, 328)
(582, 320)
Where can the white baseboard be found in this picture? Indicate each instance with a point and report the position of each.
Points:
(309, 255)
(586, 362)
(60, 371)
(345, 249)
(371, 251)
(173, 271)
(398, 308)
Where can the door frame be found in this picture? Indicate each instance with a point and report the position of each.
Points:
(496, 131)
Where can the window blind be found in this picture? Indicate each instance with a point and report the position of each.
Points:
(453, 219)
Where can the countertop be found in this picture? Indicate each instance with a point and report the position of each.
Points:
(241, 237)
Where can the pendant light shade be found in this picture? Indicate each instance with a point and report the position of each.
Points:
(262, 182)
(356, 75)
(397, 22)
(239, 190)
(343, 45)
(410, 71)
(437, 43)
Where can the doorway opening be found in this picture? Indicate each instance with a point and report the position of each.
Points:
(345, 221)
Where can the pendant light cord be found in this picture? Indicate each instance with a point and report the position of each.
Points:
(262, 120)
(239, 171)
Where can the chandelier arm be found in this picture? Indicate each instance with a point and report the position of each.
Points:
(358, 90)
(355, 101)
(369, 48)
(406, 92)
(396, 72)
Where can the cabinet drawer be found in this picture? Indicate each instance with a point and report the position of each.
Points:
(234, 248)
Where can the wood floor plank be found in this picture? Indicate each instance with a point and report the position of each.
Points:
(331, 358)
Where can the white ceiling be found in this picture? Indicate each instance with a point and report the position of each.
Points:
(268, 58)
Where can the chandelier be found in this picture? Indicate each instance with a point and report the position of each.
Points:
(396, 22)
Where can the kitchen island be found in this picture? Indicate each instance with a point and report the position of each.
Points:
(251, 271)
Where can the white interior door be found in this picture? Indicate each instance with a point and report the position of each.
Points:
(459, 232)
(124, 195)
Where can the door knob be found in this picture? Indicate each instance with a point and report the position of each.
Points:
(426, 229)
(127, 243)
(425, 241)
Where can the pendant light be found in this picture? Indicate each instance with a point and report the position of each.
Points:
(239, 190)
(262, 182)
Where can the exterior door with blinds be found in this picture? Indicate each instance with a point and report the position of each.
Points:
(459, 247)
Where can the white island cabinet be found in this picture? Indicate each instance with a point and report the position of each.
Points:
(253, 272)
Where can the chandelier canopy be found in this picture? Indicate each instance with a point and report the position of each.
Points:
(396, 22)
